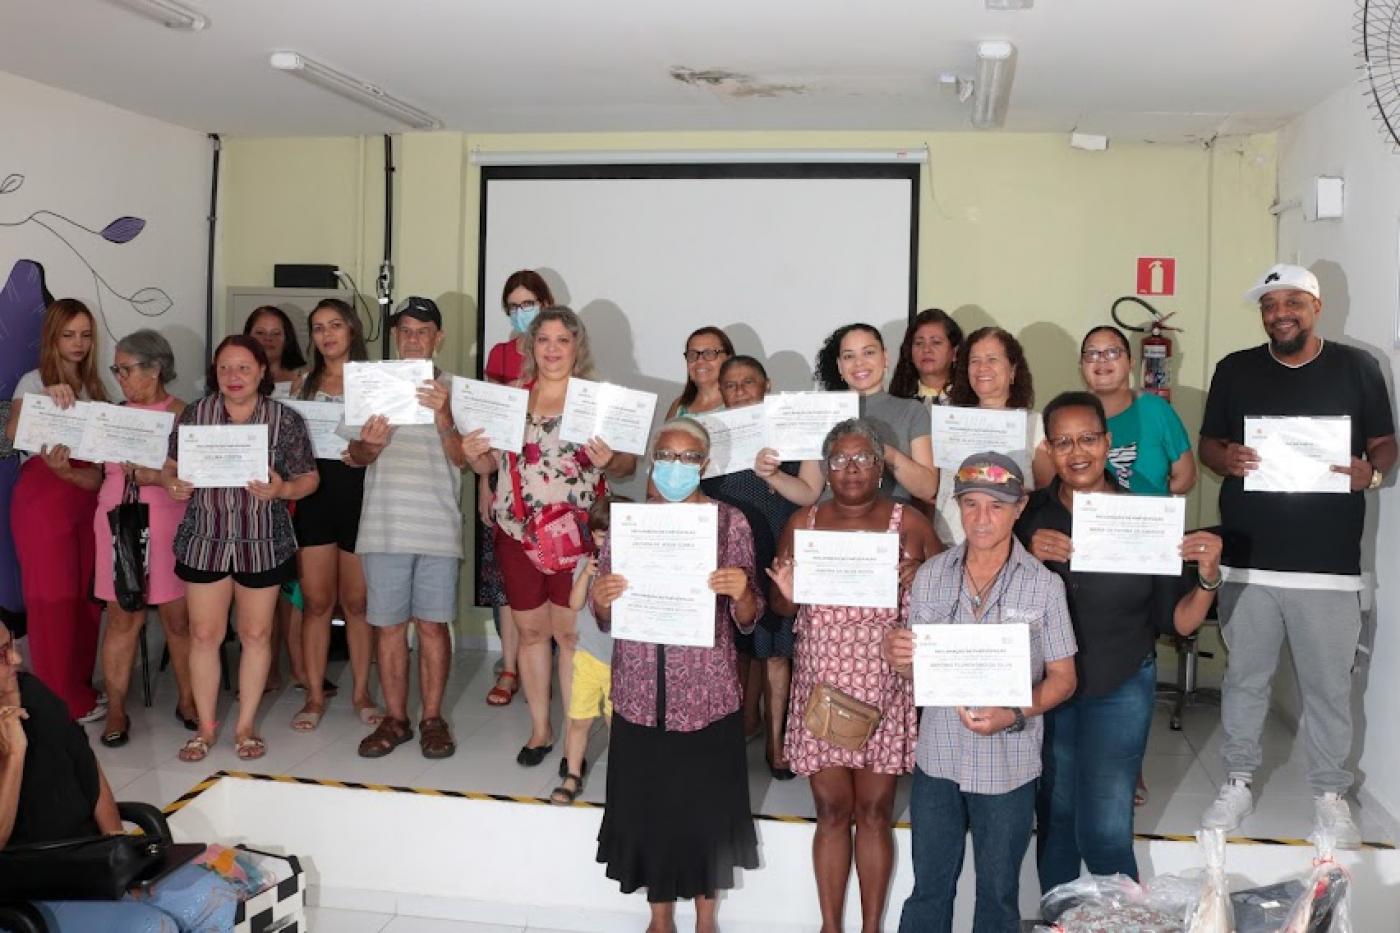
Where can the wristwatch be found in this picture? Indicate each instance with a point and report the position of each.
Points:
(1020, 724)
(1377, 477)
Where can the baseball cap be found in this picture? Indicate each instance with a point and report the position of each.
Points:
(995, 474)
(1281, 277)
(418, 308)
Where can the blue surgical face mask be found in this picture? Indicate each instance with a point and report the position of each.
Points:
(675, 480)
(522, 317)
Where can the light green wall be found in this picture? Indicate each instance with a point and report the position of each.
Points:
(1019, 229)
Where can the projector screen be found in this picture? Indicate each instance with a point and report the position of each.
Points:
(776, 255)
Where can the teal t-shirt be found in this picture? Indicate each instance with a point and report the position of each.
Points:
(1148, 438)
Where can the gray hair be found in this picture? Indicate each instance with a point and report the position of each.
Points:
(684, 425)
(858, 427)
(150, 349)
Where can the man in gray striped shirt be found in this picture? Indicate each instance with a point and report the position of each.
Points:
(411, 542)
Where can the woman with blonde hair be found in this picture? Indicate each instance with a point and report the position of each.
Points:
(51, 516)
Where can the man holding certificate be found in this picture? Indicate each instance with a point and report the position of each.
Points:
(978, 764)
(1293, 540)
(1095, 741)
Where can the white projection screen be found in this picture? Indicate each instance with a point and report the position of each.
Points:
(778, 255)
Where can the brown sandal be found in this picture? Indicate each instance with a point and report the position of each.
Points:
(434, 738)
(387, 736)
(507, 683)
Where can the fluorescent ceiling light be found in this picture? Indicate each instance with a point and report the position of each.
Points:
(168, 13)
(996, 66)
(361, 92)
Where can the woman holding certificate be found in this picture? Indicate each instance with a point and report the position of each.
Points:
(547, 471)
(51, 515)
(839, 659)
(677, 819)
(236, 544)
(1094, 742)
(327, 523)
(144, 364)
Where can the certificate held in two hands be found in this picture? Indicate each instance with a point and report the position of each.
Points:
(95, 431)
(958, 433)
(223, 456)
(1297, 454)
(388, 388)
(666, 552)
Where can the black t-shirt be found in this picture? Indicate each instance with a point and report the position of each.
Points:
(59, 790)
(1116, 616)
(1297, 532)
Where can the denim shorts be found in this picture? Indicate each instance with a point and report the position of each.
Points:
(410, 586)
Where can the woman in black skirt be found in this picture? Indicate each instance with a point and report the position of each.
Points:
(677, 820)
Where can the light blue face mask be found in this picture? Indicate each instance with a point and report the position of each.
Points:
(675, 480)
(521, 318)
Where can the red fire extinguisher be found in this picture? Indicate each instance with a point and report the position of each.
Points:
(1155, 376)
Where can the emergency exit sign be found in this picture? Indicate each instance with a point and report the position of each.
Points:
(1156, 275)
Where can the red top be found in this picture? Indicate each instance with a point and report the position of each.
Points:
(505, 363)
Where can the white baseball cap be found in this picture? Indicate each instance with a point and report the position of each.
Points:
(1282, 277)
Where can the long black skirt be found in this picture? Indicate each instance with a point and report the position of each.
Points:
(677, 819)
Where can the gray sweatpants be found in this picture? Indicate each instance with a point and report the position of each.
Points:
(1322, 628)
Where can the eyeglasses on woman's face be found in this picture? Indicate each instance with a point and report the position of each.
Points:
(1064, 443)
(861, 461)
(688, 457)
(709, 354)
(125, 370)
(1110, 354)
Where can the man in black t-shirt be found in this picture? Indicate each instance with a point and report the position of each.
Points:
(1292, 560)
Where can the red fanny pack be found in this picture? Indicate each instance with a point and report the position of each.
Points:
(556, 536)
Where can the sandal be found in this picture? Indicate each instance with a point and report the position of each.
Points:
(434, 738)
(387, 736)
(250, 749)
(195, 749)
(562, 795)
(308, 719)
(501, 696)
(370, 715)
(116, 738)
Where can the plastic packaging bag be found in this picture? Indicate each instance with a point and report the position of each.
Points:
(1211, 912)
(1325, 906)
(1108, 904)
(1264, 910)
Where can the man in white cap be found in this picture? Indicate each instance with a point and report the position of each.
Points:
(1292, 563)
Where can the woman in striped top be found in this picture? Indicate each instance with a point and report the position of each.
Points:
(236, 545)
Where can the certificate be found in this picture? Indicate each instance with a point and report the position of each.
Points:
(388, 388)
(219, 456)
(1118, 533)
(667, 553)
(499, 411)
(1297, 454)
(322, 419)
(43, 424)
(736, 437)
(798, 422)
(619, 415)
(958, 433)
(122, 434)
(846, 568)
(972, 665)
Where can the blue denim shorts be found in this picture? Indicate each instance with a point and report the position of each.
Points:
(410, 586)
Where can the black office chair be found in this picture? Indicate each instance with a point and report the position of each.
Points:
(1185, 691)
(24, 917)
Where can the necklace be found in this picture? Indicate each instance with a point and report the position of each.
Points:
(1320, 344)
(979, 593)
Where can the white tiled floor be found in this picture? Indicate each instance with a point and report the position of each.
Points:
(1182, 769)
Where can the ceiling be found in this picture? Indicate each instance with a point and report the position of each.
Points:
(1167, 70)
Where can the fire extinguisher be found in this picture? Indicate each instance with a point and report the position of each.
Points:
(1155, 376)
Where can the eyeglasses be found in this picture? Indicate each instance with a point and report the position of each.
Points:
(125, 371)
(688, 457)
(709, 354)
(861, 462)
(523, 306)
(1111, 354)
(1064, 443)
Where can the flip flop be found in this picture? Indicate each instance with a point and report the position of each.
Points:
(307, 720)
(250, 749)
(195, 749)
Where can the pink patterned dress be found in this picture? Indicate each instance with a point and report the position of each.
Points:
(840, 646)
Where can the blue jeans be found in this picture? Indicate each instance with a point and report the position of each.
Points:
(1091, 760)
(942, 814)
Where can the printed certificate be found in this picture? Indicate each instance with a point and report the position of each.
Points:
(619, 415)
(958, 433)
(1118, 533)
(667, 553)
(1297, 454)
(122, 434)
(498, 410)
(220, 456)
(846, 568)
(972, 665)
(388, 388)
(322, 419)
(43, 424)
(736, 437)
(798, 422)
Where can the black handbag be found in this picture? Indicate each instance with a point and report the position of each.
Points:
(95, 868)
(130, 522)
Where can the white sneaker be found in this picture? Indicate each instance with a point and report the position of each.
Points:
(1333, 816)
(1234, 803)
(99, 711)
